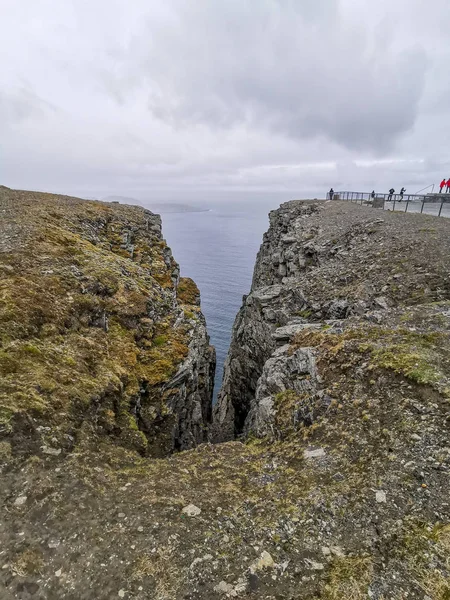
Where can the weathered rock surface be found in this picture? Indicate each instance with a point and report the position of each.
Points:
(340, 490)
(322, 265)
(99, 335)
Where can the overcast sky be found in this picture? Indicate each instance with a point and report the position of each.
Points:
(165, 98)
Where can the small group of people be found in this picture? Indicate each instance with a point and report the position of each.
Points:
(392, 192)
(444, 184)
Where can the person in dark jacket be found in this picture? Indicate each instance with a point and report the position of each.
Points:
(331, 193)
(402, 191)
(391, 193)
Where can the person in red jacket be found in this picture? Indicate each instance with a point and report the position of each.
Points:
(442, 185)
(448, 186)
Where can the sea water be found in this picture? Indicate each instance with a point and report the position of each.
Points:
(217, 249)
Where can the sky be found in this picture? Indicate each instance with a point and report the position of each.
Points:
(199, 99)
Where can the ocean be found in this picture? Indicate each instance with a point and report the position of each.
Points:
(217, 249)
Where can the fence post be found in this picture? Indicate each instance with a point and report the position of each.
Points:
(406, 207)
(393, 208)
(423, 204)
(440, 209)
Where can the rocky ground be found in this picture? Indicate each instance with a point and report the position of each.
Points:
(337, 385)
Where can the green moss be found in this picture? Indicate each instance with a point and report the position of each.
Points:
(418, 356)
(400, 358)
(305, 314)
(75, 325)
(349, 577)
(160, 340)
(187, 291)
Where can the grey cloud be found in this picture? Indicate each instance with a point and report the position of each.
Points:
(293, 95)
(300, 68)
(21, 104)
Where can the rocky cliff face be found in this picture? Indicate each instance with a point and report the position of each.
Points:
(322, 267)
(100, 336)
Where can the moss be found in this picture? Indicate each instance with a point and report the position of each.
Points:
(305, 314)
(418, 356)
(28, 562)
(160, 340)
(5, 451)
(416, 366)
(187, 291)
(82, 320)
(349, 578)
(285, 404)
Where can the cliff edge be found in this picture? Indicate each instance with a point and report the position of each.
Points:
(100, 338)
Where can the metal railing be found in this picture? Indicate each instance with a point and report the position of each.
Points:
(431, 203)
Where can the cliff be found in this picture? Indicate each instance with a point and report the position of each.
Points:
(337, 386)
(99, 336)
(332, 272)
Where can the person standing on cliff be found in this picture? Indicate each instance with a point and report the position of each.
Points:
(402, 191)
(331, 193)
(442, 185)
(391, 193)
(448, 186)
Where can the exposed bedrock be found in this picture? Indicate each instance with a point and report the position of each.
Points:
(326, 267)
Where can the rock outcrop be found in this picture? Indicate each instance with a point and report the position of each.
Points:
(100, 336)
(322, 267)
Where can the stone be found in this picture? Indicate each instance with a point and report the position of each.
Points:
(224, 587)
(51, 451)
(382, 302)
(380, 496)
(58, 573)
(191, 510)
(265, 561)
(121, 593)
(314, 453)
(20, 501)
(316, 566)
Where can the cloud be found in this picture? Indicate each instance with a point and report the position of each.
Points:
(112, 97)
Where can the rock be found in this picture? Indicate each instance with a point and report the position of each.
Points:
(121, 593)
(415, 437)
(20, 501)
(317, 453)
(265, 561)
(290, 330)
(382, 302)
(380, 496)
(191, 510)
(58, 573)
(51, 451)
(224, 588)
(316, 566)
